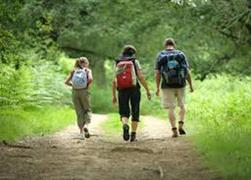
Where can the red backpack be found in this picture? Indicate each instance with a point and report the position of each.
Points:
(125, 74)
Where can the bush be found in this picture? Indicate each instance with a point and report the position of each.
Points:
(220, 119)
(36, 85)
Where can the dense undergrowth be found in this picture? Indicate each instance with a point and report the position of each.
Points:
(219, 119)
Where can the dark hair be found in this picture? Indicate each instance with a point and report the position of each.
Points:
(129, 50)
(169, 42)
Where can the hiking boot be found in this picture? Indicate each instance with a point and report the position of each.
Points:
(133, 137)
(126, 135)
(175, 132)
(87, 134)
(181, 130)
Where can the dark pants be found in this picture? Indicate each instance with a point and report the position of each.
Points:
(129, 103)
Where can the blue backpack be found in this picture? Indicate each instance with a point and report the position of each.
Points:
(79, 79)
(174, 70)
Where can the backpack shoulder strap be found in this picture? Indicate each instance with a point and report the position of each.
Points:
(87, 73)
(134, 65)
(181, 57)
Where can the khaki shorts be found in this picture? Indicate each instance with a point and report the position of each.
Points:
(172, 95)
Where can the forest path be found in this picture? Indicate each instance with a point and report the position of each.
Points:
(64, 155)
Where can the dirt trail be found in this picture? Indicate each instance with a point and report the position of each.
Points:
(104, 157)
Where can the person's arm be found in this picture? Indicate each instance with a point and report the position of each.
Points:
(189, 80)
(68, 79)
(189, 76)
(143, 82)
(90, 77)
(114, 87)
(157, 80)
(157, 73)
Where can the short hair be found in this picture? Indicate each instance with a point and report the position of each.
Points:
(129, 50)
(169, 42)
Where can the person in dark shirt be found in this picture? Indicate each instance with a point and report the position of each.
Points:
(129, 97)
(172, 70)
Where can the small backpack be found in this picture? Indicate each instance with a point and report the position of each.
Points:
(174, 70)
(79, 79)
(126, 74)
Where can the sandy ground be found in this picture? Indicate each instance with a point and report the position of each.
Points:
(64, 156)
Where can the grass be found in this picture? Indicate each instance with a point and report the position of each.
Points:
(112, 125)
(220, 120)
(32, 121)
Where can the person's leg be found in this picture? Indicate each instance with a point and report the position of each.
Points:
(124, 120)
(85, 102)
(78, 109)
(181, 104)
(182, 113)
(134, 126)
(135, 105)
(172, 119)
(169, 102)
(124, 111)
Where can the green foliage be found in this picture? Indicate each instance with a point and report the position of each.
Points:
(8, 45)
(101, 99)
(219, 117)
(33, 121)
(215, 35)
(35, 85)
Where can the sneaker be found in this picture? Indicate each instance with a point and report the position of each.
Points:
(175, 132)
(133, 137)
(87, 134)
(126, 132)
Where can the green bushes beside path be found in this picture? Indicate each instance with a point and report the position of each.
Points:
(219, 119)
(17, 123)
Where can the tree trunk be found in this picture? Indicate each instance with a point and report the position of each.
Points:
(98, 71)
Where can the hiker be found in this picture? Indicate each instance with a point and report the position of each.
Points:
(80, 79)
(128, 73)
(173, 69)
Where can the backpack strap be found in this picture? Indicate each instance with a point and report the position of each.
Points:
(135, 69)
(86, 71)
(134, 65)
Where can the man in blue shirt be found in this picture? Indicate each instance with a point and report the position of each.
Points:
(172, 69)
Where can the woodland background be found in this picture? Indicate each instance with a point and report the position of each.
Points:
(40, 40)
